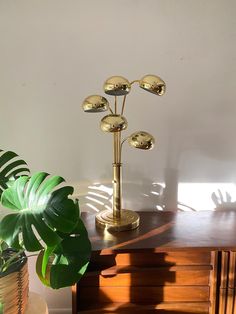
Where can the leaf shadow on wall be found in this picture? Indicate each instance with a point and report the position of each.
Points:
(223, 200)
(139, 193)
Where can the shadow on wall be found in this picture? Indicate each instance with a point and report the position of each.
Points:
(140, 196)
(147, 195)
(142, 193)
(223, 200)
(139, 193)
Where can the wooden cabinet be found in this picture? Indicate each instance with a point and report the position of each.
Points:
(226, 293)
(173, 263)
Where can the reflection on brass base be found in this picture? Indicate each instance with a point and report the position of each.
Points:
(129, 220)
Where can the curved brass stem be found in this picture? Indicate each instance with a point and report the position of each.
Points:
(123, 105)
(121, 145)
(134, 82)
(124, 99)
(125, 139)
(111, 111)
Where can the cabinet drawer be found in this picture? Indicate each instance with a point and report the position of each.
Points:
(135, 276)
(152, 259)
(150, 295)
(161, 308)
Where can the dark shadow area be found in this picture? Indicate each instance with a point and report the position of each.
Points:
(147, 285)
(89, 293)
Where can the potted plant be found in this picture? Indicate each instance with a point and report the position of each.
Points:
(42, 218)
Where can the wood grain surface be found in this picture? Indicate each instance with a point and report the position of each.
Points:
(150, 295)
(169, 231)
(175, 262)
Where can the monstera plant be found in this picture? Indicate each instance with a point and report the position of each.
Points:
(42, 218)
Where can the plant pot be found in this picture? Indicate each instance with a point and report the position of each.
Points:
(14, 285)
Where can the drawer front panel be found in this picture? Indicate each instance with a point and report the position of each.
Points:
(144, 294)
(153, 259)
(149, 278)
(167, 308)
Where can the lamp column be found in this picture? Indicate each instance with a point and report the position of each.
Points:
(117, 177)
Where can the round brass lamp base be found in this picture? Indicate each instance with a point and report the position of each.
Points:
(129, 220)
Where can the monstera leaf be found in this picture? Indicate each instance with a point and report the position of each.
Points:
(39, 210)
(64, 264)
(11, 167)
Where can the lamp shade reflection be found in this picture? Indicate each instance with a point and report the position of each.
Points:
(95, 103)
(113, 123)
(141, 140)
(153, 84)
(117, 86)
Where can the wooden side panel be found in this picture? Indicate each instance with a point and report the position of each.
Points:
(227, 282)
(231, 283)
(223, 301)
(234, 305)
(223, 282)
(214, 283)
(232, 270)
(224, 270)
(230, 301)
(144, 294)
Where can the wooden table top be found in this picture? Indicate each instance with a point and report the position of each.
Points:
(168, 231)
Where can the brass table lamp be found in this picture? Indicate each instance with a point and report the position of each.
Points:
(119, 219)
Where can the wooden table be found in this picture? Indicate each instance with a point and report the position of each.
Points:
(175, 262)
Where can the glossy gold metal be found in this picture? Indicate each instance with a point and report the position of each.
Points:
(113, 123)
(141, 140)
(123, 105)
(117, 86)
(117, 192)
(95, 103)
(117, 177)
(129, 220)
(153, 84)
(119, 219)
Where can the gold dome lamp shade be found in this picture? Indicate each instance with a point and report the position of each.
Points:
(113, 123)
(95, 103)
(153, 84)
(141, 140)
(117, 86)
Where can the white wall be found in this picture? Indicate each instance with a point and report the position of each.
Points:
(54, 53)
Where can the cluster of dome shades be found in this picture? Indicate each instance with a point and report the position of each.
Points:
(120, 86)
